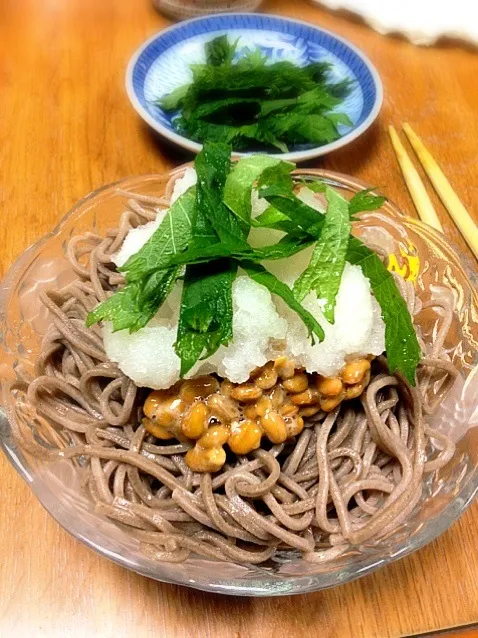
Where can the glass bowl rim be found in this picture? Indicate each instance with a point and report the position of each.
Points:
(364, 565)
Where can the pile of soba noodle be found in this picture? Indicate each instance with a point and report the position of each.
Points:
(350, 477)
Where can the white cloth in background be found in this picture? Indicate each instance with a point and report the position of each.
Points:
(421, 21)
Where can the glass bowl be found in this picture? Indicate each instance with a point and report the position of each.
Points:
(414, 249)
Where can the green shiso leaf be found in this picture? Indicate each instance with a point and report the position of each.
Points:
(324, 272)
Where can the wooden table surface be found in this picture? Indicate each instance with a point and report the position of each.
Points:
(66, 127)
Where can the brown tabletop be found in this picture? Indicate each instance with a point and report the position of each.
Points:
(66, 127)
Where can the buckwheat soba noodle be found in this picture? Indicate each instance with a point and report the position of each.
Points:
(351, 474)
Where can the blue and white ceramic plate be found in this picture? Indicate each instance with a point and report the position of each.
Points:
(162, 64)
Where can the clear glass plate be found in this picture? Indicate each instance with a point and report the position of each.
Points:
(415, 249)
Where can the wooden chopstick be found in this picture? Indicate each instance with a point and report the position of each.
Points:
(458, 212)
(422, 201)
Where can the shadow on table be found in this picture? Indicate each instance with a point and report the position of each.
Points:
(208, 614)
(348, 159)
(354, 156)
(165, 149)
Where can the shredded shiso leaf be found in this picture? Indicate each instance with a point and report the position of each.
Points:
(204, 240)
(239, 99)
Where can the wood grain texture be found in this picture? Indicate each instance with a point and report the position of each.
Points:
(66, 127)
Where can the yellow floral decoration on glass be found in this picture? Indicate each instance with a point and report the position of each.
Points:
(408, 265)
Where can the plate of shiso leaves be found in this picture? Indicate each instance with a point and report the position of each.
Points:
(258, 83)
